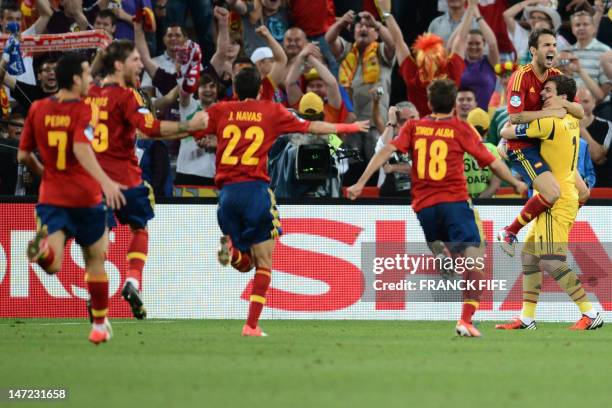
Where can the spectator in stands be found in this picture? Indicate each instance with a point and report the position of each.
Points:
(274, 15)
(538, 15)
(479, 73)
(25, 93)
(597, 132)
(229, 49)
(202, 16)
(394, 177)
(446, 24)
(431, 60)
(465, 103)
(174, 38)
(195, 165)
(571, 66)
(271, 62)
(70, 16)
(317, 79)
(107, 21)
(481, 182)
(124, 11)
(366, 63)
(294, 41)
(10, 12)
(589, 50)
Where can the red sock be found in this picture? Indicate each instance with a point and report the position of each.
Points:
(241, 261)
(469, 308)
(535, 206)
(261, 281)
(46, 260)
(98, 290)
(137, 254)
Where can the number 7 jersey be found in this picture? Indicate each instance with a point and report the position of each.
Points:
(437, 145)
(121, 112)
(246, 130)
(53, 127)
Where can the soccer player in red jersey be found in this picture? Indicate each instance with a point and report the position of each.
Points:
(247, 213)
(440, 199)
(525, 106)
(70, 201)
(121, 113)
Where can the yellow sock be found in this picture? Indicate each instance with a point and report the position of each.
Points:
(532, 285)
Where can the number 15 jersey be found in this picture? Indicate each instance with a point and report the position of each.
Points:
(246, 130)
(53, 126)
(437, 145)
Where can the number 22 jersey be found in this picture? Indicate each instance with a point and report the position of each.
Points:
(437, 144)
(246, 130)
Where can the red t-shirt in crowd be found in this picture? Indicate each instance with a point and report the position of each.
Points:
(121, 112)
(417, 91)
(523, 94)
(53, 127)
(437, 145)
(307, 14)
(246, 130)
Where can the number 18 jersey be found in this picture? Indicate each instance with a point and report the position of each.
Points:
(437, 145)
(53, 126)
(245, 133)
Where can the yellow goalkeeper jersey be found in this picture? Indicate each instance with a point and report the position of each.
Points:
(559, 147)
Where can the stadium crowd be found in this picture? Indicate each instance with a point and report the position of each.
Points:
(341, 61)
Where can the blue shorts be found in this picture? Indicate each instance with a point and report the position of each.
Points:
(527, 163)
(247, 213)
(452, 223)
(85, 224)
(138, 210)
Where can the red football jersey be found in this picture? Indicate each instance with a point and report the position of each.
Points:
(245, 133)
(523, 93)
(417, 91)
(437, 144)
(53, 127)
(121, 112)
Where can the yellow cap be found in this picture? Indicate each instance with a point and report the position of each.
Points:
(311, 104)
(478, 117)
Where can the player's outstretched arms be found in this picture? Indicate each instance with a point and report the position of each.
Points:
(112, 190)
(169, 130)
(502, 171)
(530, 116)
(326, 128)
(377, 161)
(31, 162)
(508, 132)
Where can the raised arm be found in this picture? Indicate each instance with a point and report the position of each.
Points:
(332, 36)
(383, 32)
(401, 49)
(489, 36)
(44, 16)
(143, 49)
(333, 93)
(168, 99)
(223, 40)
(459, 43)
(6, 78)
(280, 58)
(511, 13)
(238, 6)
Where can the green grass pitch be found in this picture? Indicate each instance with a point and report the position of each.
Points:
(206, 363)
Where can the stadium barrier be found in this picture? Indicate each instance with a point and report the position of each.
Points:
(319, 270)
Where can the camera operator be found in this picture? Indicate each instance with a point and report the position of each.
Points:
(302, 165)
(394, 177)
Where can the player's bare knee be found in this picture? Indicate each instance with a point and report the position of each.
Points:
(547, 186)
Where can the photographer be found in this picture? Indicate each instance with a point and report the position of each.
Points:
(394, 177)
(301, 165)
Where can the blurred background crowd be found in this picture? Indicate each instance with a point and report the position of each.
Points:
(340, 60)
